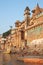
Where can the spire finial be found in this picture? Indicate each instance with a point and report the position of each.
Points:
(37, 5)
(27, 8)
(27, 11)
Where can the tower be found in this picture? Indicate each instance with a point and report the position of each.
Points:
(27, 20)
(37, 10)
(27, 15)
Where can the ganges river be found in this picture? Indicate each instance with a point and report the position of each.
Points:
(11, 59)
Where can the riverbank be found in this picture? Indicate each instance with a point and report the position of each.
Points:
(31, 60)
(16, 59)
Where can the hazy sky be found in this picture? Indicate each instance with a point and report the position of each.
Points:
(12, 10)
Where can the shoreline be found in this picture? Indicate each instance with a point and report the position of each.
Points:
(31, 60)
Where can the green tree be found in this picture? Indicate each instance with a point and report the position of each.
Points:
(5, 34)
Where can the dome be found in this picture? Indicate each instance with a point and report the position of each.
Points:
(27, 8)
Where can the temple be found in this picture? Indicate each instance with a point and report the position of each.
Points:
(31, 28)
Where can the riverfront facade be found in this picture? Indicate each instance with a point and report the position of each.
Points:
(30, 28)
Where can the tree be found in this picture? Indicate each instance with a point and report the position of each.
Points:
(5, 34)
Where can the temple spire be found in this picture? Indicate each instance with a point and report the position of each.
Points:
(36, 10)
(27, 15)
(27, 8)
(37, 5)
(27, 11)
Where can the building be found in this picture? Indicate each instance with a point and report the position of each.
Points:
(29, 29)
(2, 42)
(35, 30)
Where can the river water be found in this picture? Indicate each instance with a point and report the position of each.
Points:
(11, 59)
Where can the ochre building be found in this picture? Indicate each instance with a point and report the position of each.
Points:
(29, 29)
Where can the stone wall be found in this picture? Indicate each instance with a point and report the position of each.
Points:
(35, 33)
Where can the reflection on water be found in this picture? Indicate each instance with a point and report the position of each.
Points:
(11, 59)
(7, 59)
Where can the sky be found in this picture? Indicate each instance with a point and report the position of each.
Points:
(12, 10)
